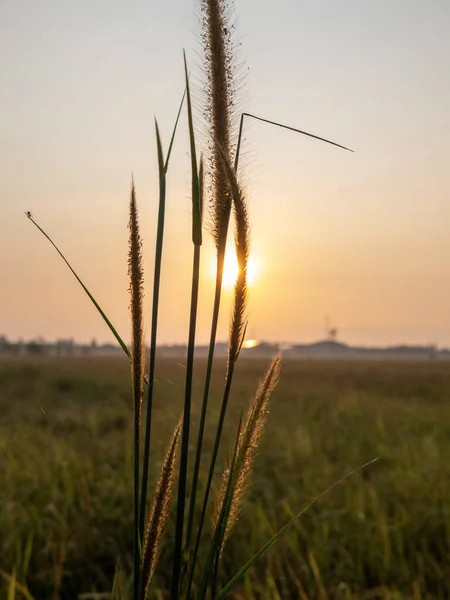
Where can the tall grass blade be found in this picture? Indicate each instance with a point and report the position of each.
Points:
(207, 384)
(159, 150)
(311, 135)
(12, 586)
(197, 240)
(15, 585)
(196, 196)
(27, 555)
(172, 139)
(115, 587)
(154, 331)
(91, 297)
(240, 574)
(162, 168)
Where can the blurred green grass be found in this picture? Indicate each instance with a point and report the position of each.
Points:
(66, 482)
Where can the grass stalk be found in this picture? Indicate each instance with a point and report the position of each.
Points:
(223, 408)
(154, 328)
(238, 324)
(197, 241)
(162, 170)
(214, 546)
(135, 273)
(206, 388)
(220, 91)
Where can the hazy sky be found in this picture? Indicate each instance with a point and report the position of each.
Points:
(363, 237)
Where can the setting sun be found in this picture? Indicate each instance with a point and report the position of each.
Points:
(250, 343)
(230, 270)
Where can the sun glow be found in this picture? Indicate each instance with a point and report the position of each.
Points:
(250, 343)
(231, 269)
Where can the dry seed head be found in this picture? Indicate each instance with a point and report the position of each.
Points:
(247, 446)
(216, 32)
(156, 521)
(136, 275)
(242, 246)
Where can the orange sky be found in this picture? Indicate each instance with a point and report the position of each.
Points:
(361, 237)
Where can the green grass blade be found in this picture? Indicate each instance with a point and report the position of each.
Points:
(154, 331)
(197, 240)
(91, 297)
(311, 135)
(196, 203)
(12, 586)
(27, 556)
(240, 574)
(163, 168)
(159, 151)
(115, 586)
(177, 560)
(172, 139)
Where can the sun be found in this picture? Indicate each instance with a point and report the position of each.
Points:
(231, 269)
(250, 343)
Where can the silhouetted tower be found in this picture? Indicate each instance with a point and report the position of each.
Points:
(330, 331)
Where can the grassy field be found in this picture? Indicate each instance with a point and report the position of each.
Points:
(66, 477)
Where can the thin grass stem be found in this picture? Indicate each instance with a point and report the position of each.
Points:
(154, 330)
(311, 135)
(240, 574)
(91, 297)
(197, 241)
(200, 435)
(177, 561)
(162, 168)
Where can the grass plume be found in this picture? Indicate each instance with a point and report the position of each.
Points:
(242, 247)
(159, 512)
(219, 92)
(136, 275)
(247, 446)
